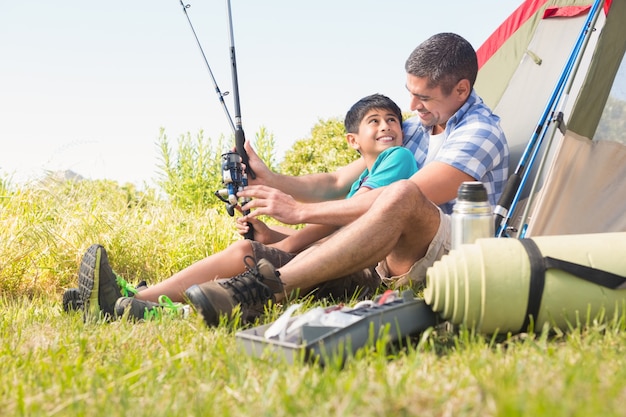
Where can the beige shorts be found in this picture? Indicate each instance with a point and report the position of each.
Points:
(439, 246)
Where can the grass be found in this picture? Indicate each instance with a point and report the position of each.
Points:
(54, 364)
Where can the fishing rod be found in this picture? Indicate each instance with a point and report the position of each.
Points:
(516, 183)
(234, 176)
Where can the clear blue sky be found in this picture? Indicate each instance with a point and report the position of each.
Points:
(86, 86)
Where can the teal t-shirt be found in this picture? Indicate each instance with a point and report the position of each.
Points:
(392, 164)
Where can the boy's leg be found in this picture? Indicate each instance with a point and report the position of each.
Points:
(226, 263)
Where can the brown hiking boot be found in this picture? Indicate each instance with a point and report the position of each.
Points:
(251, 290)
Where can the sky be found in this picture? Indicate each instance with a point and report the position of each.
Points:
(87, 86)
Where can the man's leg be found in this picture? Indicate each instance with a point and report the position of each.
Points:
(400, 225)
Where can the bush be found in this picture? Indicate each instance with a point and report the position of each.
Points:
(191, 173)
(325, 151)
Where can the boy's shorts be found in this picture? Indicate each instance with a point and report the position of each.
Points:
(439, 246)
(276, 257)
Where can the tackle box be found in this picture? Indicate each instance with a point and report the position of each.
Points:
(404, 316)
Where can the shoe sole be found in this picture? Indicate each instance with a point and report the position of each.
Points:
(72, 300)
(89, 280)
(202, 304)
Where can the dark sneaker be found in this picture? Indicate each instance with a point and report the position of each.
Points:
(145, 310)
(251, 290)
(97, 283)
(72, 300)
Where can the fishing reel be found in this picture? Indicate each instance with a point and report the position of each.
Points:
(234, 179)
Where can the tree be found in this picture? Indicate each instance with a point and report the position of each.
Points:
(325, 151)
(613, 121)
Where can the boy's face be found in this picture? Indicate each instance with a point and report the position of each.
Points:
(432, 106)
(380, 129)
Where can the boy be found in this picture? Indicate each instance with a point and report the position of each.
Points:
(374, 129)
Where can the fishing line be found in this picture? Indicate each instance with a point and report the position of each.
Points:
(220, 95)
(234, 175)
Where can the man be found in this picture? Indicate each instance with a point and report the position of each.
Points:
(454, 137)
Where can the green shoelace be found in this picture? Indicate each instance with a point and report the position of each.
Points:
(166, 305)
(126, 289)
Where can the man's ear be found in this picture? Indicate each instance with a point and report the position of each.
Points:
(463, 89)
(351, 138)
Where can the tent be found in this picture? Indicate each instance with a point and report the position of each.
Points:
(577, 181)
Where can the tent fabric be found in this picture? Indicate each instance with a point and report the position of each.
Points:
(519, 66)
(506, 29)
(584, 190)
(521, 105)
(599, 78)
(500, 54)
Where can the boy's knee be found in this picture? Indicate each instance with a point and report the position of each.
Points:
(244, 247)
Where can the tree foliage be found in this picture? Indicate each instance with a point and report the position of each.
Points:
(325, 151)
(190, 170)
(613, 121)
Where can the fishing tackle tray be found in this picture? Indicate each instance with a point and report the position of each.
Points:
(402, 317)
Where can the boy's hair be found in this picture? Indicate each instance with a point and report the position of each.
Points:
(445, 59)
(358, 111)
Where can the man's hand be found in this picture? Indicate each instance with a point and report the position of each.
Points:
(272, 202)
(262, 172)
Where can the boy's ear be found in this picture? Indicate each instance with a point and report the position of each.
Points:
(352, 141)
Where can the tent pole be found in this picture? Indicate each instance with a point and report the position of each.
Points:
(515, 184)
(557, 121)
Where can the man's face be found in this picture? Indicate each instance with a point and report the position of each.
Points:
(433, 107)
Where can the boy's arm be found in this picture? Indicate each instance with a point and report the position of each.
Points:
(262, 232)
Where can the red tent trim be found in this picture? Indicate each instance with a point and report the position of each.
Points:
(518, 18)
(507, 28)
(568, 11)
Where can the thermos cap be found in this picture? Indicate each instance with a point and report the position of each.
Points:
(472, 191)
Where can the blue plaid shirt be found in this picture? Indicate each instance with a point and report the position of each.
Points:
(474, 143)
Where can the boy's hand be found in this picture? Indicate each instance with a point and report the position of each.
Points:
(262, 233)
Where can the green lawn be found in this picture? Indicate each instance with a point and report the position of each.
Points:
(52, 363)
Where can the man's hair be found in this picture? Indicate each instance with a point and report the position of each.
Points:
(358, 111)
(444, 59)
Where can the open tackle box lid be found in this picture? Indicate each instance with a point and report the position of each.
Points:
(332, 333)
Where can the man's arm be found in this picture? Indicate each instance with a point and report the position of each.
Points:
(438, 181)
(306, 188)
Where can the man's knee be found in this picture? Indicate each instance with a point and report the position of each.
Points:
(403, 197)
